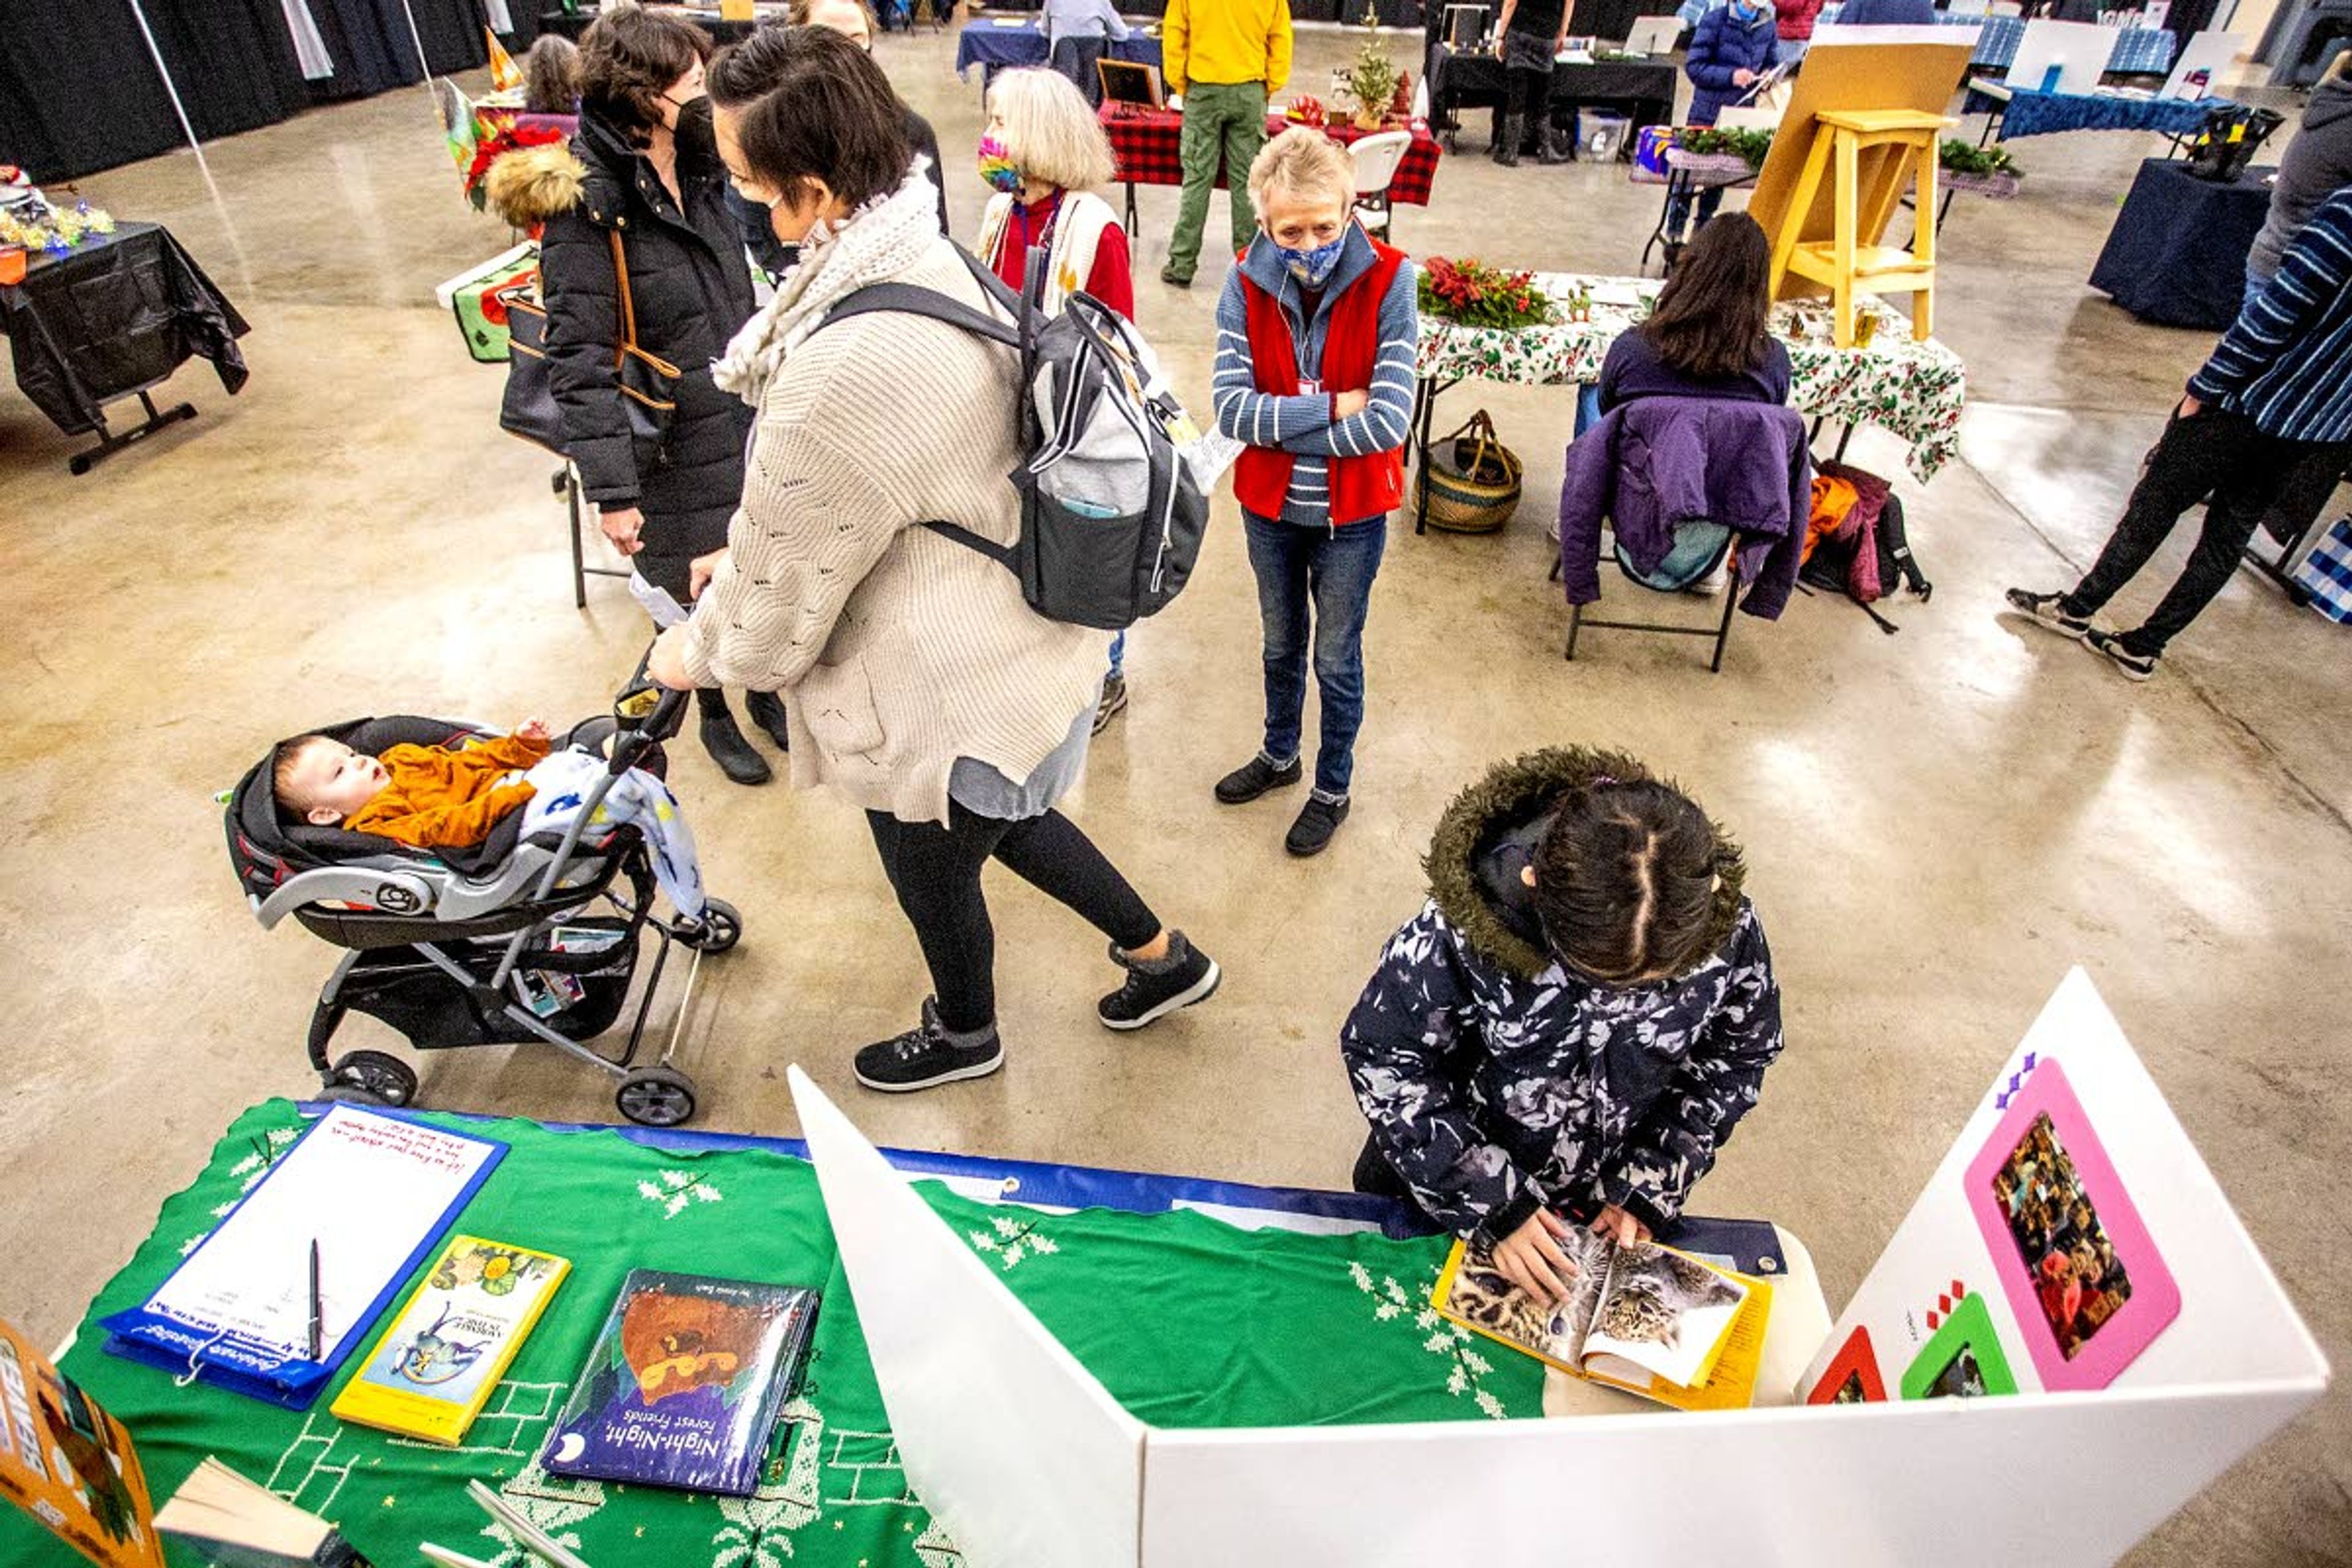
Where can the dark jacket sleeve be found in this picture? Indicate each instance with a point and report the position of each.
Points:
(1705, 64)
(583, 330)
(1715, 1085)
(1407, 1045)
(925, 141)
(1584, 496)
(1784, 557)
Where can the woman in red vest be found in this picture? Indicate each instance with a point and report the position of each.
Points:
(1316, 336)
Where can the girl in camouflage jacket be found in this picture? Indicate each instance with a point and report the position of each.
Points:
(1575, 1021)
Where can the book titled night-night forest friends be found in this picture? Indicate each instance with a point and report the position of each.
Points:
(685, 1384)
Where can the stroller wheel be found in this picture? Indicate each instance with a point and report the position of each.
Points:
(720, 928)
(372, 1078)
(656, 1096)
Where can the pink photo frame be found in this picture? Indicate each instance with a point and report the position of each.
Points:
(2155, 1297)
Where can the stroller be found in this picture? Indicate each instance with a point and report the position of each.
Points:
(497, 944)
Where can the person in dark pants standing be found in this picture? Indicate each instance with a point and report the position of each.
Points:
(2277, 392)
(1223, 60)
(640, 188)
(1532, 33)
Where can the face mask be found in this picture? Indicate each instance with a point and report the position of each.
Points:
(1312, 267)
(996, 166)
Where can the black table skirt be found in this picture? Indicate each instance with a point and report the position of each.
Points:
(121, 313)
(2177, 255)
(1644, 91)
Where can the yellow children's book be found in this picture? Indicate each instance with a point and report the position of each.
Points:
(429, 1374)
(1651, 1320)
(70, 1464)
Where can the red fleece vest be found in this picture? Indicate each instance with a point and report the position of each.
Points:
(1361, 488)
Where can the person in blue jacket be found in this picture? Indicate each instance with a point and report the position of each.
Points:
(1731, 47)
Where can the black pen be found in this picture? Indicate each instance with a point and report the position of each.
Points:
(317, 1308)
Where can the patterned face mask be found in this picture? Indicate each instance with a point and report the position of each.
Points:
(996, 166)
(1312, 267)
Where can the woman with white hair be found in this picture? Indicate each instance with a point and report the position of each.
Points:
(1316, 336)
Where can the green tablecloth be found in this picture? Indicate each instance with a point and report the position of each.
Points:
(1189, 1322)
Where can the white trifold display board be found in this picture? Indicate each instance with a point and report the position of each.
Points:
(1028, 1462)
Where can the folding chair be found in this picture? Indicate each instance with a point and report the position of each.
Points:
(1376, 158)
(1700, 548)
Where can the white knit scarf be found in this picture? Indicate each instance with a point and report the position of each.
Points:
(872, 244)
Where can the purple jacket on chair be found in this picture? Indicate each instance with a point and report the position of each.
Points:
(1656, 462)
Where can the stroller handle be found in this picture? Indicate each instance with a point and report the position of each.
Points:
(648, 715)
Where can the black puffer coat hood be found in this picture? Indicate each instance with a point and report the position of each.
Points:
(1489, 834)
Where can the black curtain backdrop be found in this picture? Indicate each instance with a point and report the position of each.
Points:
(79, 91)
(232, 62)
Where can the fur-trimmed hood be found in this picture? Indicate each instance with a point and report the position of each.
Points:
(1490, 831)
(531, 184)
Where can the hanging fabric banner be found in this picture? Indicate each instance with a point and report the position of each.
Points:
(309, 48)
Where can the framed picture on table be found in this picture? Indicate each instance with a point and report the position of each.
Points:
(1129, 82)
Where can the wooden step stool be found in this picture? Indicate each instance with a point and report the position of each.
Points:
(1875, 145)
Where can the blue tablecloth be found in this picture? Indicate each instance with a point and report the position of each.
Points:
(984, 43)
(2177, 256)
(2043, 113)
(2141, 51)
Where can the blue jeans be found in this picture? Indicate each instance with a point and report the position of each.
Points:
(1679, 227)
(1118, 657)
(1335, 570)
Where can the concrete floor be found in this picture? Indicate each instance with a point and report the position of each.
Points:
(1939, 823)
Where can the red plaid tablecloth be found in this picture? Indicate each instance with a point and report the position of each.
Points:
(1146, 145)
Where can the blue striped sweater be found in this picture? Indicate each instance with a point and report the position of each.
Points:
(1303, 427)
(2286, 363)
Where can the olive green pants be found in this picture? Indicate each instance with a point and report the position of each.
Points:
(1224, 122)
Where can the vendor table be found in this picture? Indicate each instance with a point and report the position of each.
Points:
(1189, 1322)
(1642, 90)
(997, 43)
(1916, 389)
(1147, 146)
(114, 319)
(2177, 255)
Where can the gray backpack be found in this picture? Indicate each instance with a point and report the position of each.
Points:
(1111, 510)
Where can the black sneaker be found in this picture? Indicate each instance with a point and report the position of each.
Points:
(731, 751)
(927, 1055)
(1113, 702)
(2129, 665)
(1255, 777)
(1155, 990)
(2048, 611)
(766, 710)
(1317, 820)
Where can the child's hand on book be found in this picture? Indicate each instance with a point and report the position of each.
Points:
(1530, 1257)
(1619, 1227)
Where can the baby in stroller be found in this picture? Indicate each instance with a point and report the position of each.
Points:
(489, 889)
(441, 798)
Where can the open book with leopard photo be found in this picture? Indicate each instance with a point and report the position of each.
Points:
(1651, 1320)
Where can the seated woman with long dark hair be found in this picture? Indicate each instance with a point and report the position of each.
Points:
(1710, 335)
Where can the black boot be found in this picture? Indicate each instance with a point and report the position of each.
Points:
(726, 744)
(1554, 145)
(766, 710)
(1507, 141)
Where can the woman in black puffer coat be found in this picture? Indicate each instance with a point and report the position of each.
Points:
(649, 171)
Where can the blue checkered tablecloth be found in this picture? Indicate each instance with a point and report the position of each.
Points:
(2140, 51)
(994, 48)
(2045, 113)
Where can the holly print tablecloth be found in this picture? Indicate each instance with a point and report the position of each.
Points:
(1914, 389)
(1188, 1322)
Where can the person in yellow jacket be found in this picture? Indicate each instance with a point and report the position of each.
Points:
(1223, 60)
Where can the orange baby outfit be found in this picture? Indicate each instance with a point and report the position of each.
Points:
(447, 800)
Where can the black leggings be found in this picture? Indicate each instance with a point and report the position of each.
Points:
(935, 872)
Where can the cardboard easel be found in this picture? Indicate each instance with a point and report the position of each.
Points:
(1854, 71)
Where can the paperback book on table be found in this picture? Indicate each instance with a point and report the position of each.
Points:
(684, 1386)
(1651, 1320)
(429, 1374)
(236, 1522)
(70, 1464)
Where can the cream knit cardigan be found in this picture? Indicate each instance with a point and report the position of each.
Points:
(897, 651)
